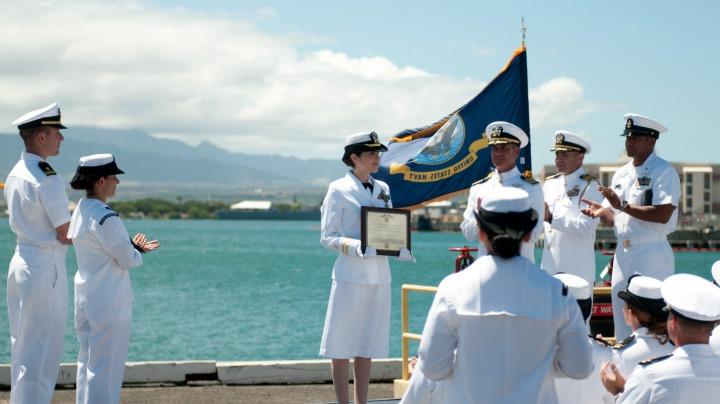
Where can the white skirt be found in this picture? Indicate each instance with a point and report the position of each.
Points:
(357, 323)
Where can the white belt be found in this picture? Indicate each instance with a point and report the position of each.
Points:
(636, 241)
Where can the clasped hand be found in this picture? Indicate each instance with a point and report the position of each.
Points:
(141, 241)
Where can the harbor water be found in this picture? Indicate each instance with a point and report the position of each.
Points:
(253, 290)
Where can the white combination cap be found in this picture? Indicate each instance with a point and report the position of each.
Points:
(568, 141)
(645, 286)
(693, 297)
(716, 272)
(506, 200)
(640, 125)
(95, 160)
(578, 287)
(45, 116)
(369, 139)
(500, 132)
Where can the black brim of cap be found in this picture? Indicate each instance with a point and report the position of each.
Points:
(87, 175)
(359, 148)
(650, 306)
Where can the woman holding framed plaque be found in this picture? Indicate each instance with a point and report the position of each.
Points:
(357, 324)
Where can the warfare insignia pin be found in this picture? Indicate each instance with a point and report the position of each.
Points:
(384, 197)
(644, 181)
(575, 191)
(618, 186)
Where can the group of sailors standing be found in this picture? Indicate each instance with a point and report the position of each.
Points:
(502, 331)
(37, 276)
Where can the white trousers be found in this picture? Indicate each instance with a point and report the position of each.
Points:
(104, 334)
(37, 311)
(653, 259)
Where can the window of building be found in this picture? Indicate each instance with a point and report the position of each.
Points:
(706, 197)
(707, 181)
(688, 203)
(688, 178)
(688, 189)
(707, 209)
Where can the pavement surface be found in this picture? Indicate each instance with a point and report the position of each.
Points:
(216, 393)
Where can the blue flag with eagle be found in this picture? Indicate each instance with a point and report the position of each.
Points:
(438, 161)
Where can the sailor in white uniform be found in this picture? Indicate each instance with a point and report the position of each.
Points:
(501, 330)
(715, 337)
(691, 374)
(506, 140)
(357, 324)
(588, 390)
(103, 292)
(641, 203)
(643, 312)
(37, 276)
(569, 234)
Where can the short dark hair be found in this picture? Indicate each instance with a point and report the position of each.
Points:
(29, 133)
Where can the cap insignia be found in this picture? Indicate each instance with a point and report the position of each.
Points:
(629, 124)
(559, 138)
(496, 131)
(374, 137)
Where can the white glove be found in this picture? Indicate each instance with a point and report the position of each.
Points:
(406, 255)
(369, 252)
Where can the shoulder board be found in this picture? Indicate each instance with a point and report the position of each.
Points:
(485, 179)
(109, 215)
(625, 343)
(529, 180)
(588, 177)
(654, 360)
(599, 340)
(553, 176)
(45, 167)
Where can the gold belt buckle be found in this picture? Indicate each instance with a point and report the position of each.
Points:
(626, 243)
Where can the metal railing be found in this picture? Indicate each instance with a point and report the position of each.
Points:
(406, 334)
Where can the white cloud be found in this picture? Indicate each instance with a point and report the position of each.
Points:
(264, 13)
(197, 77)
(557, 102)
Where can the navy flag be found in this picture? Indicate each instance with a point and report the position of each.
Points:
(439, 161)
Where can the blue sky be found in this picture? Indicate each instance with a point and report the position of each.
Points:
(294, 78)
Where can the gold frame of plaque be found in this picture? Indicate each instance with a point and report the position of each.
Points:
(386, 229)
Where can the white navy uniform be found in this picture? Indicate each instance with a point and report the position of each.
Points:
(690, 375)
(715, 340)
(514, 328)
(638, 347)
(422, 390)
(103, 299)
(37, 278)
(570, 238)
(642, 246)
(491, 184)
(357, 323)
(588, 390)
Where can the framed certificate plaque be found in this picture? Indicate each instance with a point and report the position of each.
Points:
(385, 229)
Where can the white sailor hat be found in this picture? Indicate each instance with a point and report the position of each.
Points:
(507, 211)
(360, 142)
(643, 292)
(578, 287)
(692, 297)
(568, 141)
(93, 167)
(640, 125)
(504, 132)
(46, 116)
(716, 272)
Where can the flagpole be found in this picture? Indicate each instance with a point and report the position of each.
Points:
(523, 29)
